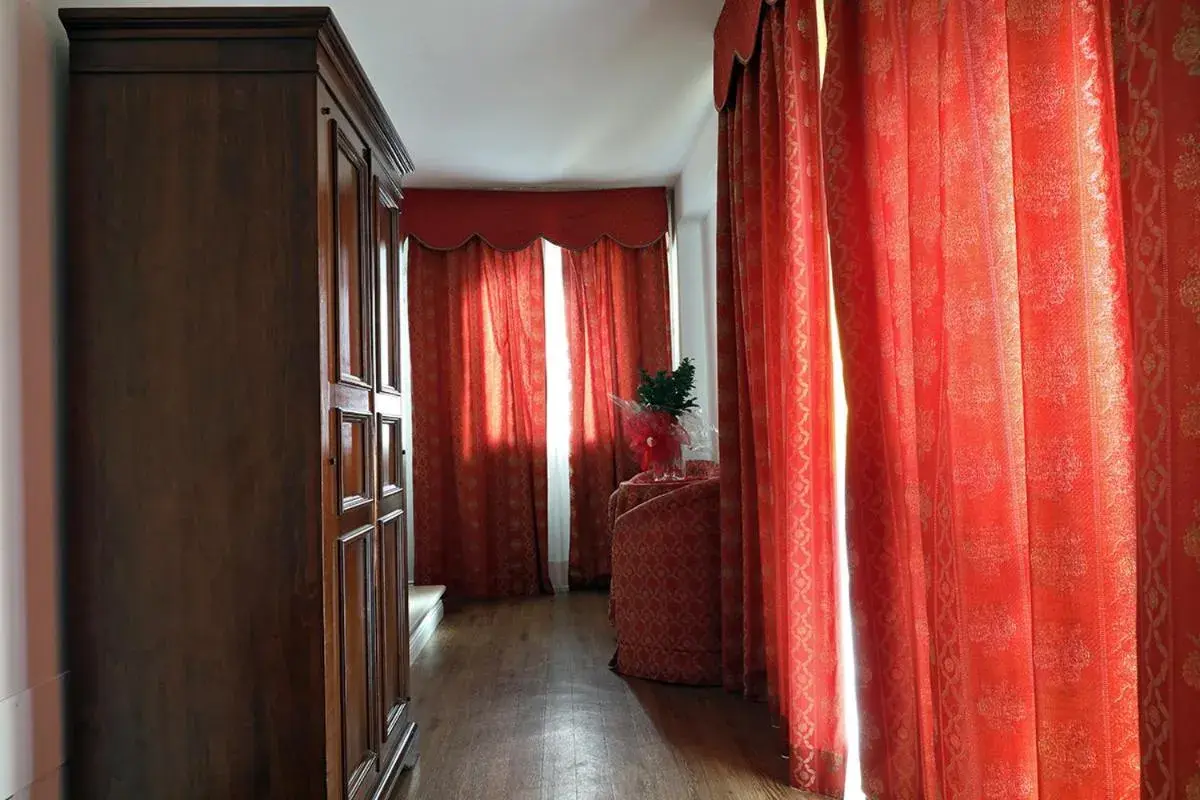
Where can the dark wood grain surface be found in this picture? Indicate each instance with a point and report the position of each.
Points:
(232, 564)
(193, 566)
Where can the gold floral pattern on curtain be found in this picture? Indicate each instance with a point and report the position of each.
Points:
(778, 532)
(1158, 100)
(618, 322)
(975, 220)
(478, 341)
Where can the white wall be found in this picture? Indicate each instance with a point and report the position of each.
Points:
(32, 63)
(695, 233)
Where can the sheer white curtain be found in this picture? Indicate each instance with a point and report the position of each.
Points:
(673, 286)
(558, 418)
(406, 405)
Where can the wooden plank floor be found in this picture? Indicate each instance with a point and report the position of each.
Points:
(515, 700)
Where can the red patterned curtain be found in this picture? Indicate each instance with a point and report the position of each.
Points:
(618, 320)
(477, 328)
(1158, 98)
(512, 220)
(975, 219)
(779, 594)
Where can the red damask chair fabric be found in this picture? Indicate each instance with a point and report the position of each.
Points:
(642, 487)
(666, 581)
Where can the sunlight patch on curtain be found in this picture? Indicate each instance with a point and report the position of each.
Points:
(849, 674)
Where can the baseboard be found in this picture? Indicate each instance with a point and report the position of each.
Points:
(31, 740)
(49, 787)
(425, 630)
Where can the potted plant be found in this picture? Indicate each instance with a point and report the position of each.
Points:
(653, 423)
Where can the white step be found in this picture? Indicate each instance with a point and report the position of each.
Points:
(425, 611)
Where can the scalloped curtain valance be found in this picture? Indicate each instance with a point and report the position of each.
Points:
(734, 43)
(445, 219)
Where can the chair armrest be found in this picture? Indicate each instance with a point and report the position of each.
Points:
(693, 510)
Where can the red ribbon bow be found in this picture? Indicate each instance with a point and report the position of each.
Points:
(655, 437)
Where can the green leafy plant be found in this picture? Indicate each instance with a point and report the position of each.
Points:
(669, 391)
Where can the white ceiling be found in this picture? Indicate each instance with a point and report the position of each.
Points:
(561, 93)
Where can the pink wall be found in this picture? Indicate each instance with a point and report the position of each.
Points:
(32, 61)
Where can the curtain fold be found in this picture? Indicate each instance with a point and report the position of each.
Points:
(618, 321)
(779, 582)
(1158, 102)
(978, 263)
(477, 334)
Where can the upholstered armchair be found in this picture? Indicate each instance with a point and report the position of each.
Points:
(666, 579)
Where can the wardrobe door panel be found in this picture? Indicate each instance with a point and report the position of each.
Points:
(391, 474)
(393, 623)
(352, 291)
(393, 600)
(387, 257)
(353, 456)
(357, 573)
(353, 459)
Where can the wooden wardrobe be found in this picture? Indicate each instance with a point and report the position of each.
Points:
(234, 547)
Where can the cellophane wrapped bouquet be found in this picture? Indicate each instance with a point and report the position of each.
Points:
(664, 421)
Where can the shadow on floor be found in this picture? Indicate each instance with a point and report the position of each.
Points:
(712, 725)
